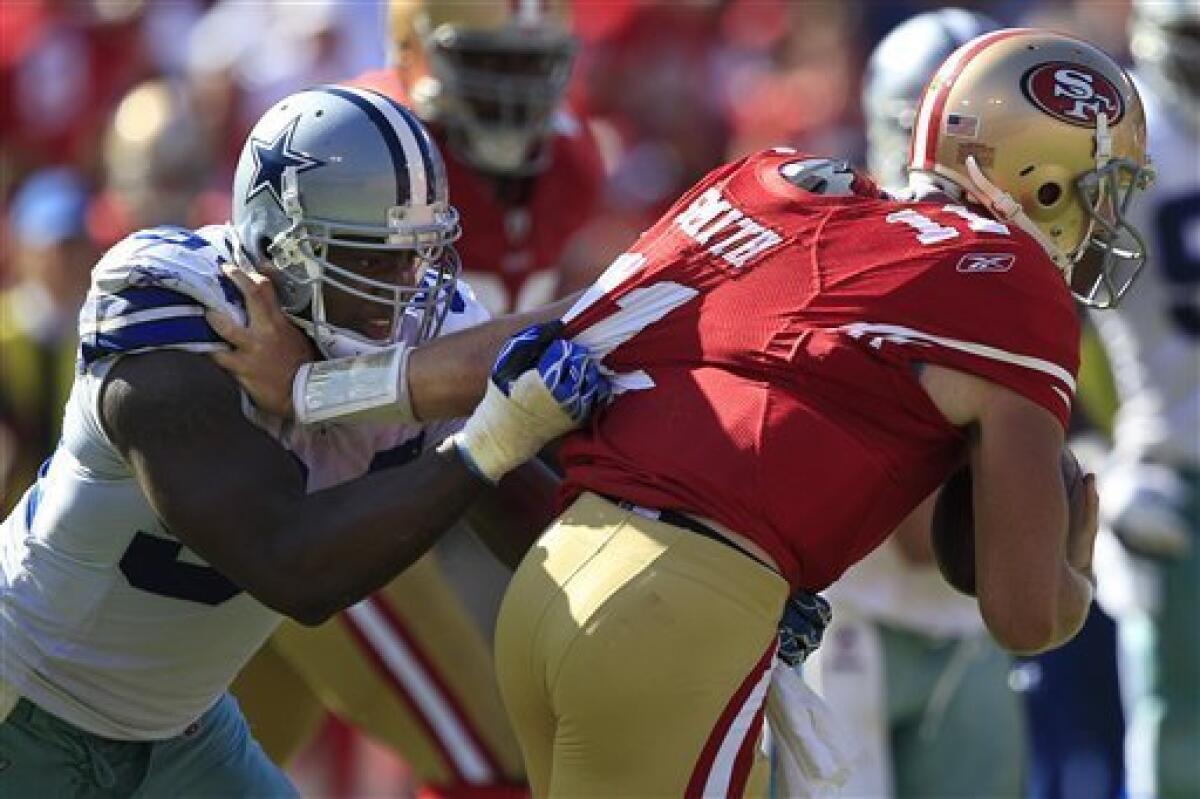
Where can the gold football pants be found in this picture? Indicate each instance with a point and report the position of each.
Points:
(634, 657)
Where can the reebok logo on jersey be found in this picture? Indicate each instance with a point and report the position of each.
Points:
(986, 262)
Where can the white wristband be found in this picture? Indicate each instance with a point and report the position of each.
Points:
(371, 387)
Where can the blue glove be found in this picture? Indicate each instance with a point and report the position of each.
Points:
(564, 367)
(805, 617)
(541, 387)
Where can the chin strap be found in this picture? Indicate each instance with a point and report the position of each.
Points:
(1104, 142)
(1004, 206)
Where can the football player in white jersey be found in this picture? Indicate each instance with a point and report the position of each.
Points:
(177, 521)
(1150, 491)
(907, 660)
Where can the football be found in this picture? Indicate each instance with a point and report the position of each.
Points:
(953, 527)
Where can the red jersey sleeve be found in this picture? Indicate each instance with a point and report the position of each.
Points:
(990, 306)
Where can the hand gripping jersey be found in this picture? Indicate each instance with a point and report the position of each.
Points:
(1153, 338)
(106, 620)
(767, 337)
(511, 245)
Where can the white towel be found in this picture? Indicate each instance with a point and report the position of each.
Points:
(811, 751)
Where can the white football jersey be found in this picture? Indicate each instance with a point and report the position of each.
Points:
(1153, 337)
(106, 620)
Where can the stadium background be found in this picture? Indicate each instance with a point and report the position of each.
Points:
(115, 114)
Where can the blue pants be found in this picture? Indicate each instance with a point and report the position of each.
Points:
(44, 756)
(1076, 723)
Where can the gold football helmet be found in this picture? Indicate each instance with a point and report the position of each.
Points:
(1048, 133)
(156, 155)
(491, 72)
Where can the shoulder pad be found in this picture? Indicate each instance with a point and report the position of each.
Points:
(465, 309)
(150, 291)
(832, 177)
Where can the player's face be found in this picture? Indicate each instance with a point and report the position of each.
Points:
(514, 64)
(371, 319)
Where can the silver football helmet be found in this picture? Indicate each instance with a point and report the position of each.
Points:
(898, 69)
(340, 197)
(1165, 42)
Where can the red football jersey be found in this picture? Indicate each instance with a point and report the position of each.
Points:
(767, 336)
(510, 246)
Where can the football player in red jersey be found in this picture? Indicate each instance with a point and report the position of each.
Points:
(488, 80)
(413, 666)
(803, 359)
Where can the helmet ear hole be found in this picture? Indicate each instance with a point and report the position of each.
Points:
(1049, 194)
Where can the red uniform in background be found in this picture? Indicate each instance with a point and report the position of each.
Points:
(771, 336)
(515, 229)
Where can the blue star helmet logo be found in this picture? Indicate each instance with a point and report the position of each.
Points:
(272, 158)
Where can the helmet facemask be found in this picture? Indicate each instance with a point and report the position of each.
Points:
(409, 309)
(1112, 251)
(496, 92)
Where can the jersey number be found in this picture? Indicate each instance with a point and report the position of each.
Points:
(152, 564)
(636, 310)
(931, 232)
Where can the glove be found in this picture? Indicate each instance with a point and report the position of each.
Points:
(541, 387)
(805, 617)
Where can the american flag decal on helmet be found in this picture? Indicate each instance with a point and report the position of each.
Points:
(962, 125)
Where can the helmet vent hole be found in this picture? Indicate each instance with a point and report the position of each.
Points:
(1049, 193)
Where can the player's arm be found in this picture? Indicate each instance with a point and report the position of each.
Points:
(441, 379)
(447, 375)
(1032, 572)
(912, 535)
(232, 494)
(511, 516)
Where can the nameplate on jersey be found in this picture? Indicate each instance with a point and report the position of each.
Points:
(724, 231)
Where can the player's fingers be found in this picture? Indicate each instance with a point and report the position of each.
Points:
(227, 327)
(226, 360)
(1091, 509)
(257, 292)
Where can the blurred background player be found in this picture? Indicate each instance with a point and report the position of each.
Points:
(488, 79)
(907, 661)
(159, 165)
(51, 256)
(1150, 489)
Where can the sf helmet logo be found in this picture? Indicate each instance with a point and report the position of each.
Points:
(1072, 93)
